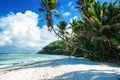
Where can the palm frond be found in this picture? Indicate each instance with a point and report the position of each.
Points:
(55, 11)
(105, 27)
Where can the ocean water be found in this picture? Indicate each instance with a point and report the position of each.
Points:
(10, 61)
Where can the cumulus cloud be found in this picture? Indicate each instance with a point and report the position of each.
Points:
(69, 4)
(20, 30)
(66, 14)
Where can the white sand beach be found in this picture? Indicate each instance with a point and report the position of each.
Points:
(64, 69)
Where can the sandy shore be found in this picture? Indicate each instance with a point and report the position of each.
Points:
(64, 69)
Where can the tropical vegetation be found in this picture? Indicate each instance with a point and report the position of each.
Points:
(96, 35)
(56, 47)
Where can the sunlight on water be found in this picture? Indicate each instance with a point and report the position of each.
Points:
(11, 60)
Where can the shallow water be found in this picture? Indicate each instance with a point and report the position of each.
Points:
(11, 60)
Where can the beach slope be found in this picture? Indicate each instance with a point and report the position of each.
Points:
(64, 69)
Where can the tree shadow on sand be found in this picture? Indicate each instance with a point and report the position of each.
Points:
(59, 62)
(68, 61)
(88, 75)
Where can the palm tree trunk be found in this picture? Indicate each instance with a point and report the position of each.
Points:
(50, 24)
(84, 50)
(57, 33)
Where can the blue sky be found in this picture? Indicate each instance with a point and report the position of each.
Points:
(21, 28)
(64, 6)
(7, 6)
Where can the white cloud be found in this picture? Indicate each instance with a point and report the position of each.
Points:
(73, 8)
(47, 36)
(20, 30)
(66, 14)
(70, 3)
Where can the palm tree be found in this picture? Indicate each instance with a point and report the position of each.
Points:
(74, 26)
(62, 29)
(103, 20)
(48, 6)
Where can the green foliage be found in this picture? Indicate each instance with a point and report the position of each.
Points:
(50, 4)
(99, 31)
(114, 41)
(74, 26)
(62, 29)
(98, 46)
(76, 52)
(104, 28)
(56, 47)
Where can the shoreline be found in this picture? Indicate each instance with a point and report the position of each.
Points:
(20, 62)
(21, 66)
(64, 68)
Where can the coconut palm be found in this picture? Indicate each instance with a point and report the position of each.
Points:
(48, 6)
(102, 20)
(74, 26)
(62, 29)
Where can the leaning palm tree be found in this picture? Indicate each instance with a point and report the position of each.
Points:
(102, 21)
(48, 6)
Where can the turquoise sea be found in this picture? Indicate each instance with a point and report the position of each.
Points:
(11, 61)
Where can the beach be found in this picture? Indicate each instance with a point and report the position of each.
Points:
(66, 68)
(60, 40)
